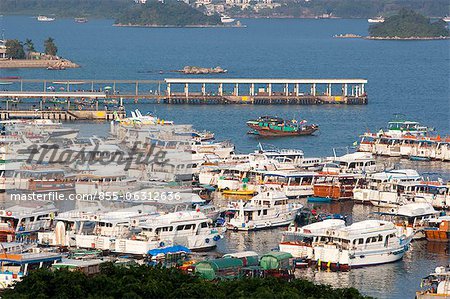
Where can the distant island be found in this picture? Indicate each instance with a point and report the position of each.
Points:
(17, 54)
(408, 24)
(114, 9)
(168, 13)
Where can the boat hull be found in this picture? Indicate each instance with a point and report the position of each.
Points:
(268, 132)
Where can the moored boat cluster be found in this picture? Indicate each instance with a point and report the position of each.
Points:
(155, 191)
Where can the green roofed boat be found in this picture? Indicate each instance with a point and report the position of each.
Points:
(269, 126)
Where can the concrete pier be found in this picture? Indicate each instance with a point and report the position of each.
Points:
(196, 90)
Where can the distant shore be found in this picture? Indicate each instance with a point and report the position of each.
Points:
(350, 35)
(406, 38)
(179, 26)
(38, 63)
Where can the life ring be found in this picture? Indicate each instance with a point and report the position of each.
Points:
(8, 213)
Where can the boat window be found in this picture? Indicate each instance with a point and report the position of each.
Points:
(368, 240)
(180, 227)
(189, 226)
(264, 212)
(42, 216)
(204, 225)
(380, 238)
(361, 241)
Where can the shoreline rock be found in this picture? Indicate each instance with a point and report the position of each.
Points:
(195, 70)
(181, 26)
(54, 64)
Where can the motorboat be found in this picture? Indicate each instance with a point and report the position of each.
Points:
(382, 188)
(267, 209)
(365, 243)
(226, 19)
(28, 219)
(411, 219)
(378, 19)
(45, 19)
(191, 229)
(298, 241)
(436, 284)
(294, 184)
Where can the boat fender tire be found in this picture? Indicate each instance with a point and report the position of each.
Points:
(207, 240)
(161, 244)
(216, 238)
(235, 229)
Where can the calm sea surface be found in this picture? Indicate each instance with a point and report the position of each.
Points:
(409, 77)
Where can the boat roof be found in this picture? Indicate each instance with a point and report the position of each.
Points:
(24, 211)
(29, 258)
(396, 174)
(367, 226)
(241, 254)
(352, 157)
(78, 263)
(281, 173)
(175, 218)
(411, 210)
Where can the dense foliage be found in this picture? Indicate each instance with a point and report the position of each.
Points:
(293, 8)
(14, 49)
(172, 12)
(408, 24)
(355, 8)
(65, 8)
(145, 282)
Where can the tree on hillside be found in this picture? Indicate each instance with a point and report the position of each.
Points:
(50, 47)
(14, 49)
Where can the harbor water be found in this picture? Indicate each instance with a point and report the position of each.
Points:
(408, 77)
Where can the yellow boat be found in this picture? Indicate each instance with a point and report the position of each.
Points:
(238, 192)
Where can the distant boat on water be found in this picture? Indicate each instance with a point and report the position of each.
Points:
(226, 19)
(379, 19)
(45, 19)
(446, 19)
(81, 20)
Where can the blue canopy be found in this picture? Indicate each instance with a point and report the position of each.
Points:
(170, 249)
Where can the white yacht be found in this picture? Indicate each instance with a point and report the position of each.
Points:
(379, 19)
(26, 219)
(226, 19)
(294, 184)
(266, 210)
(45, 19)
(365, 243)
(358, 162)
(298, 241)
(191, 229)
(106, 227)
(411, 219)
(382, 188)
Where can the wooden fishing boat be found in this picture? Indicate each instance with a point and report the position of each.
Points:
(269, 126)
(438, 229)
